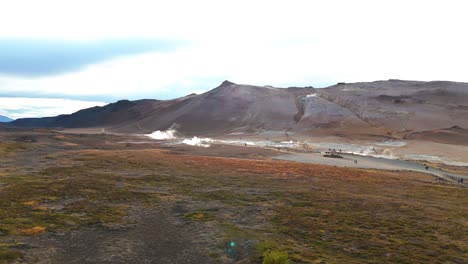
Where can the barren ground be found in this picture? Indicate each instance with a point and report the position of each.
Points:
(367, 162)
(76, 198)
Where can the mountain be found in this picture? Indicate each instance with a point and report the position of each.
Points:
(109, 115)
(392, 107)
(5, 119)
(453, 135)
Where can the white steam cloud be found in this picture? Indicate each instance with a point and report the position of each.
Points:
(163, 135)
(171, 134)
(199, 142)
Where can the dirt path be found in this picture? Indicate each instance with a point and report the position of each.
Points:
(371, 163)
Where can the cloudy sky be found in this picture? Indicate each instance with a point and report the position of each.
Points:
(59, 56)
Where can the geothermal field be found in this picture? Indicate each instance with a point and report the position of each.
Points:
(233, 132)
(74, 197)
(353, 173)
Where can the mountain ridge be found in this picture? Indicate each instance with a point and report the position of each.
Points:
(379, 107)
(5, 119)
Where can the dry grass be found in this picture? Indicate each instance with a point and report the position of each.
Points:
(319, 212)
(309, 213)
(33, 231)
(9, 148)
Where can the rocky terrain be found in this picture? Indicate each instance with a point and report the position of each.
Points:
(394, 108)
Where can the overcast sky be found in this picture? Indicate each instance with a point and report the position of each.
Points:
(93, 52)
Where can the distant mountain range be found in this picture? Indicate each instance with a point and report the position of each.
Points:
(5, 119)
(393, 107)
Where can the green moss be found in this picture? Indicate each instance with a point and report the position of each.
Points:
(275, 257)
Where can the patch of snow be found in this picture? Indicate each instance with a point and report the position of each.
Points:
(311, 95)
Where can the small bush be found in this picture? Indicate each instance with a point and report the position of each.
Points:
(275, 257)
(30, 203)
(34, 231)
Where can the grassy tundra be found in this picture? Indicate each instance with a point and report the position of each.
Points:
(223, 207)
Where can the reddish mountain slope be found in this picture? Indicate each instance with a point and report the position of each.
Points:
(382, 107)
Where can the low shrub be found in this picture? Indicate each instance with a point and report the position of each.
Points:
(275, 257)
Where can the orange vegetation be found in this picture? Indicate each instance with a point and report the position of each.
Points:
(33, 231)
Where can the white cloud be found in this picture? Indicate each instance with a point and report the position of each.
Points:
(281, 43)
(38, 107)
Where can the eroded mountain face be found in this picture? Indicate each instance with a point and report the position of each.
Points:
(404, 105)
(381, 107)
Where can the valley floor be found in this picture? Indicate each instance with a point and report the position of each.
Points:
(369, 162)
(77, 198)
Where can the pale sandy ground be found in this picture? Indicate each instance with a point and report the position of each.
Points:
(413, 150)
(369, 163)
(91, 130)
(455, 154)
